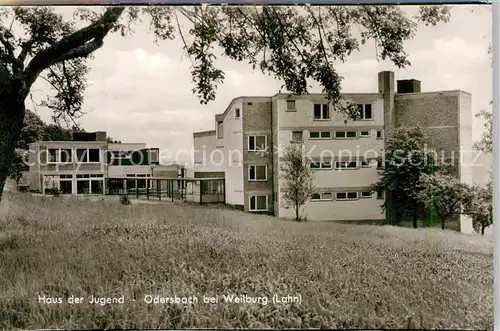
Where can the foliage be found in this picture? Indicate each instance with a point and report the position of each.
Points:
(480, 208)
(406, 158)
(485, 144)
(18, 166)
(293, 44)
(349, 276)
(445, 194)
(297, 177)
(125, 200)
(113, 141)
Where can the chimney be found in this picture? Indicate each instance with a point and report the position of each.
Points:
(386, 87)
(408, 86)
(100, 136)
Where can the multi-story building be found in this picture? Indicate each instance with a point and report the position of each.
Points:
(249, 133)
(84, 165)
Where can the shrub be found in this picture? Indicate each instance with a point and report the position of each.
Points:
(125, 200)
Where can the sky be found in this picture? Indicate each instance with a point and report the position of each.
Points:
(140, 91)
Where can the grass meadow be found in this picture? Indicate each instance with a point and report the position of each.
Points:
(348, 276)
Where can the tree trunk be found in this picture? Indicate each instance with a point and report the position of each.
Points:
(442, 223)
(11, 121)
(482, 229)
(415, 219)
(297, 213)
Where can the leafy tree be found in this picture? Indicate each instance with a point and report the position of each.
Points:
(294, 44)
(405, 161)
(485, 144)
(480, 207)
(445, 194)
(297, 177)
(18, 166)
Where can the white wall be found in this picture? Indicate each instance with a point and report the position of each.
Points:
(233, 146)
(466, 168)
(126, 146)
(207, 157)
(336, 149)
(362, 209)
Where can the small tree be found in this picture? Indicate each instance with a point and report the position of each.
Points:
(297, 176)
(405, 160)
(445, 194)
(17, 166)
(480, 207)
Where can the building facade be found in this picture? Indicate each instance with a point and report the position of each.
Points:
(245, 146)
(84, 165)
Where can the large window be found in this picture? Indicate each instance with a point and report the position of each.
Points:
(320, 135)
(346, 165)
(88, 155)
(59, 155)
(347, 195)
(90, 184)
(345, 134)
(321, 165)
(257, 143)
(257, 173)
(365, 112)
(322, 196)
(290, 105)
(66, 184)
(321, 111)
(258, 203)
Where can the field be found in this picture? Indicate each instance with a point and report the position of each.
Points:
(347, 276)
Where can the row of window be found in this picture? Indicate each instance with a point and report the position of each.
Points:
(260, 202)
(85, 183)
(297, 135)
(344, 165)
(259, 142)
(350, 195)
(259, 172)
(91, 155)
(321, 111)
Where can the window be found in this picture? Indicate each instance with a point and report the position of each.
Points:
(346, 165)
(236, 113)
(365, 112)
(315, 196)
(257, 143)
(321, 111)
(258, 203)
(380, 165)
(345, 134)
(290, 105)
(66, 184)
(320, 135)
(53, 155)
(379, 134)
(321, 165)
(153, 155)
(59, 155)
(297, 136)
(322, 196)
(366, 194)
(347, 195)
(94, 155)
(88, 155)
(249, 103)
(365, 134)
(257, 172)
(380, 194)
(83, 187)
(220, 130)
(313, 135)
(365, 164)
(66, 155)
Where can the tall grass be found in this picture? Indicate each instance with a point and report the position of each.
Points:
(348, 276)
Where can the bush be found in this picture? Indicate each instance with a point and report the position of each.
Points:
(125, 200)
